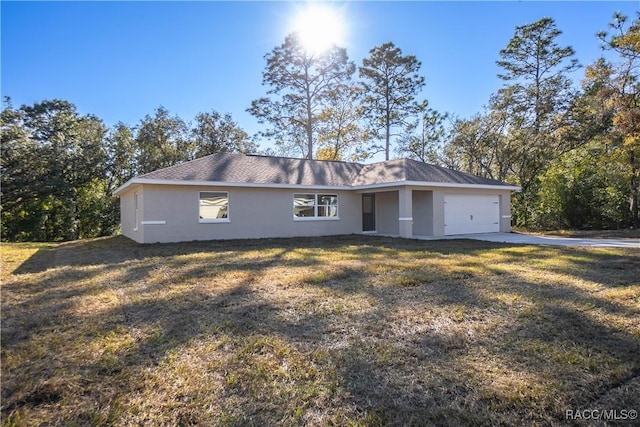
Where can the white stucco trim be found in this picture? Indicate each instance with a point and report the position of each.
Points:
(139, 181)
(316, 218)
(213, 220)
(405, 218)
(162, 222)
(435, 184)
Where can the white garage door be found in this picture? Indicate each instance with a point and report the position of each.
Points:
(471, 213)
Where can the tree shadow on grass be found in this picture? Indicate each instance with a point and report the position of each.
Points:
(119, 249)
(602, 266)
(379, 342)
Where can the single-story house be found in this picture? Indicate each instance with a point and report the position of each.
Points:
(233, 196)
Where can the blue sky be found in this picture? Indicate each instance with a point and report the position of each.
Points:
(121, 60)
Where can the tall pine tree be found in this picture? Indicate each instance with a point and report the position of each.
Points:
(391, 83)
(538, 95)
(300, 83)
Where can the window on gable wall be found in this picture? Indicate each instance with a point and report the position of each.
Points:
(320, 206)
(214, 206)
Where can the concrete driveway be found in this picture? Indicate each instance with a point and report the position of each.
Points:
(530, 239)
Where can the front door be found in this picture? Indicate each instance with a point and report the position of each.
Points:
(368, 212)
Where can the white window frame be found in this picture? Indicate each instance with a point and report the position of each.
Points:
(214, 220)
(315, 216)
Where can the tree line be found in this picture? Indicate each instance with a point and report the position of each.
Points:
(575, 151)
(60, 168)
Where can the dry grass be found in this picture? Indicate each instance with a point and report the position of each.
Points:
(624, 233)
(349, 330)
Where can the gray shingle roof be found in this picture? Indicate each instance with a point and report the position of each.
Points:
(241, 168)
(411, 170)
(254, 169)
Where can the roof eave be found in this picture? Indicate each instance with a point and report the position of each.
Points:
(149, 181)
(505, 187)
(122, 189)
(138, 181)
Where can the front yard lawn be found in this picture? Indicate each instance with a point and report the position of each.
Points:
(350, 330)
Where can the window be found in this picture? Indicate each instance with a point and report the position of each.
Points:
(214, 206)
(315, 206)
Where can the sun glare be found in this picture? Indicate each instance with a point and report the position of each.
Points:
(319, 28)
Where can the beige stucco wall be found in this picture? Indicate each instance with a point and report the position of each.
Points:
(505, 212)
(422, 213)
(264, 212)
(438, 212)
(128, 226)
(387, 212)
(253, 213)
(428, 209)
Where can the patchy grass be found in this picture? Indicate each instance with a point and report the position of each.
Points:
(354, 331)
(606, 234)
